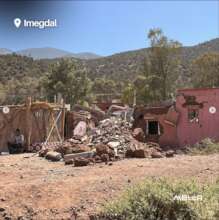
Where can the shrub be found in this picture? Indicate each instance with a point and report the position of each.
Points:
(154, 200)
(204, 147)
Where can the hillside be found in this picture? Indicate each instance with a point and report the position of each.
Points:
(16, 67)
(44, 53)
(128, 64)
(4, 51)
(19, 75)
(122, 65)
(49, 53)
(86, 56)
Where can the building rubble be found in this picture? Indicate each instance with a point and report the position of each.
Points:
(111, 140)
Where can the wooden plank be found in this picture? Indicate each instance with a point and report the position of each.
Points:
(28, 122)
(63, 121)
(53, 126)
(57, 129)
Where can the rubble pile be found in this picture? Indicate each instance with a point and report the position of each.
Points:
(111, 140)
(63, 148)
(146, 150)
(113, 132)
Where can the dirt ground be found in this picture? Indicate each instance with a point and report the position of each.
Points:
(34, 188)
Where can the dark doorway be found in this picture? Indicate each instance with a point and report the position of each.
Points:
(153, 127)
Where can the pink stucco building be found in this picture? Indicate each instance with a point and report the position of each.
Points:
(193, 117)
(198, 115)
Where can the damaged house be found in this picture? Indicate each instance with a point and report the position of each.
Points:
(38, 121)
(191, 118)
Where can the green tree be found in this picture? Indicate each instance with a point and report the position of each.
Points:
(64, 78)
(103, 85)
(161, 65)
(3, 93)
(104, 88)
(205, 70)
(128, 94)
(16, 91)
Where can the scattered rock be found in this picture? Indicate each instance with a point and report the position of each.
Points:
(43, 152)
(92, 160)
(105, 157)
(113, 144)
(97, 159)
(141, 153)
(80, 129)
(70, 148)
(119, 157)
(139, 165)
(80, 161)
(130, 152)
(2, 209)
(104, 149)
(170, 153)
(156, 154)
(69, 162)
(53, 156)
(154, 145)
(138, 134)
(82, 148)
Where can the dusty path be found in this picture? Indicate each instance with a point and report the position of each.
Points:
(34, 188)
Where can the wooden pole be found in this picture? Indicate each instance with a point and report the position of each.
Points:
(63, 120)
(134, 98)
(28, 123)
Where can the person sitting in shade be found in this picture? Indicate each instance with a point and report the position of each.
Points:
(17, 144)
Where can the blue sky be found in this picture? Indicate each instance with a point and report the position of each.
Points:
(107, 27)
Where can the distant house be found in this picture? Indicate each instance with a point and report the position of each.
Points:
(193, 117)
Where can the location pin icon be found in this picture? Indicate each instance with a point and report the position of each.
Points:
(17, 22)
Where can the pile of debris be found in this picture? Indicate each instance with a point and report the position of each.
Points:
(147, 150)
(111, 140)
(78, 154)
(113, 132)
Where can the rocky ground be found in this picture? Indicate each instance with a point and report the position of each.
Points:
(34, 188)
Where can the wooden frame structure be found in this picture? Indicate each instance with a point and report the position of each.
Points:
(38, 121)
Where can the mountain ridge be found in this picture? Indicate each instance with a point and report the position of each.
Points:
(131, 63)
(4, 51)
(54, 53)
(49, 53)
